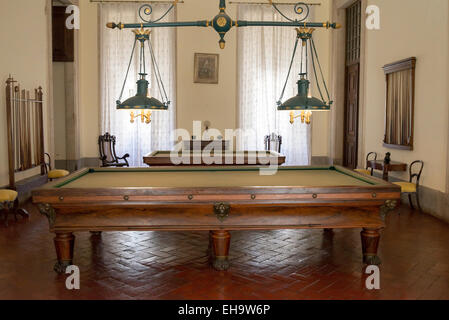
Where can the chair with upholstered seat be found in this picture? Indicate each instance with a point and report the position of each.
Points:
(367, 170)
(9, 203)
(54, 173)
(411, 187)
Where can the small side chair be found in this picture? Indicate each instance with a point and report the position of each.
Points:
(368, 171)
(54, 173)
(411, 187)
(9, 204)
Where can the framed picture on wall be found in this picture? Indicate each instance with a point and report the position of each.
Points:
(206, 68)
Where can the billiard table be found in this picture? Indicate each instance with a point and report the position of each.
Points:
(216, 199)
(222, 158)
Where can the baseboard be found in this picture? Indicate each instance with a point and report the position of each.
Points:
(73, 165)
(320, 161)
(25, 186)
(338, 162)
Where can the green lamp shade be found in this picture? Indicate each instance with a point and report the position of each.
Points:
(140, 100)
(302, 101)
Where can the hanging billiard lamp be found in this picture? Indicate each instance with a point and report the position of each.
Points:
(303, 101)
(142, 100)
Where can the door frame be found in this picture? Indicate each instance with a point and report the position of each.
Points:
(345, 128)
(75, 135)
(337, 83)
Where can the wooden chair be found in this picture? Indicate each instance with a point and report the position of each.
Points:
(413, 187)
(54, 173)
(9, 204)
(368, 171)
(108, 157)
(273, 142)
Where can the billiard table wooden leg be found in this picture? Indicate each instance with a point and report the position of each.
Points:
(370, 243)
(64, 243)
(221, 240)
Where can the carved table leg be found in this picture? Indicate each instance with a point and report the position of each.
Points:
(95, 233)
(370, 242)
(64, 243)
(220, 242)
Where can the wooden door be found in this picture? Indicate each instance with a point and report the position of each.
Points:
(352, 79)
(351, 116)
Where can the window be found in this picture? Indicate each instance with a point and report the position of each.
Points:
(264, 56)
(137, 138)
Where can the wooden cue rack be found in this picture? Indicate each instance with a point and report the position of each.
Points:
(24, 122)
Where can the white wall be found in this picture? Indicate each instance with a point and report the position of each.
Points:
(89, 102)
(24, 55)
(410, 29)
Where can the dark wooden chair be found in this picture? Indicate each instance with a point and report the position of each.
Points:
(54, 173)
(108, 157)
(273, 142)
(368, 171)
(411, 187)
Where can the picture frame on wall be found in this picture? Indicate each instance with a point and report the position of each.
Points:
(206, 67)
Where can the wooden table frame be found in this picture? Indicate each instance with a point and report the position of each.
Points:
(385, 168)
(262, 158)
(217, 210)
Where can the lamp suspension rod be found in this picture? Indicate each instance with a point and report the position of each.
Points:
(240, 23)
(134, 1)
(268, 4)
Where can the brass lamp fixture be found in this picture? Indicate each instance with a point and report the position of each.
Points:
(142, 100)
(145, 117)
(303, 101)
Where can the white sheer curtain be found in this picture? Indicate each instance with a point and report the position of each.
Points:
(137, 138)
(264, 55)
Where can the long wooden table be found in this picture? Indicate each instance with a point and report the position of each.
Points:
(224, 158)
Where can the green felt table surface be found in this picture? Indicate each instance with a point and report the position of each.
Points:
(218, 177)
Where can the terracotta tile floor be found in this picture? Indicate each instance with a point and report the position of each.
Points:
(304, 264)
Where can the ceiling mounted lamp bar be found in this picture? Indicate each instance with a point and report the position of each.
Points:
(278, 3)
(134, 1)
(222, 23)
